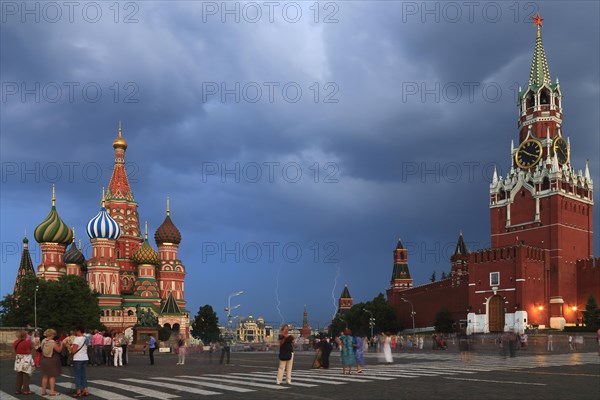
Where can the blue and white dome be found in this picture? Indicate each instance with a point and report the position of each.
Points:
(102, 226)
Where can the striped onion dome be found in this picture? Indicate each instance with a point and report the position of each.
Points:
(74, 256)
(102, 226)
(146, 254)
(53, 229)
(167, 232)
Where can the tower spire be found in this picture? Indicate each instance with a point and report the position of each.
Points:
(53, 196)
(146, 230)
(168, 207)
(539, 74)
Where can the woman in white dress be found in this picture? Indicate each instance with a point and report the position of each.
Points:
(387, 348)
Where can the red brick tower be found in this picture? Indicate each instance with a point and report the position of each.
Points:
(122, 207)
(345, 301)
(305, 331)
(459, 262)
(171, 272)
(543, 202)
(401, 279)
(103, 270)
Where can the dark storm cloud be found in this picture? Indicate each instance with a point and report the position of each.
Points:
(378, 143)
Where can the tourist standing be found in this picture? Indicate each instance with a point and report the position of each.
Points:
(117, 351)
(359, 353)
(97, 343)
(286, 355)
(347, 345)
(107, 348)
(225, 350)
(151, 347)
(325, 348)
(23, 363)
(50, 363)
(181, 349)
(387, 349)
(550, 348)
(80, 359)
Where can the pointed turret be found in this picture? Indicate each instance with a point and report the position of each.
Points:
(170, 306)
(74, 259)
(305, 331)
(459, 261)
(401, 279)
(25, 266)
(345, 301)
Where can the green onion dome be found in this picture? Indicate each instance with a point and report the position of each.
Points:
(53, 229)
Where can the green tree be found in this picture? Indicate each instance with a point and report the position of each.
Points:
(206, 325)
(432, 279)
(443, 321)
(164, 333)
(61, 304)
(591, 315)
(357, 319)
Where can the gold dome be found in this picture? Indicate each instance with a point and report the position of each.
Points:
(119, 141)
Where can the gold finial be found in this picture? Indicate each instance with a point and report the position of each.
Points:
(168, 207)
(460, 231)
(119, 142)
(53, 196)
(79, 243)
(146, 231)
(73, 230)
(25, 233)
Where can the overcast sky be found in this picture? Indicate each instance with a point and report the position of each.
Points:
(297, 141)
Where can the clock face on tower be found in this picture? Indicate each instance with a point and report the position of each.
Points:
(561, 150)
(528, 153)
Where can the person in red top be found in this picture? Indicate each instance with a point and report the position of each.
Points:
(23, 363)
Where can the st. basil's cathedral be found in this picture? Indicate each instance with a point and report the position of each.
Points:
(124, 269)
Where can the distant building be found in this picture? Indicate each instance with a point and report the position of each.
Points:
(250, 330)
(305, 331)
(345, 301)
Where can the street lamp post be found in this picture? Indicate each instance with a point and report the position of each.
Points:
(228, 309)
(371, 321)
(412, 312)
(35, 307)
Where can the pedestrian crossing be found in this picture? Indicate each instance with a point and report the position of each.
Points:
(446, 366)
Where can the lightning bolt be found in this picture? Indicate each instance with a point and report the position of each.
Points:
(337, 275)
(277, 296)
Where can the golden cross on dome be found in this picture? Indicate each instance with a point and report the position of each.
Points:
(537, 20)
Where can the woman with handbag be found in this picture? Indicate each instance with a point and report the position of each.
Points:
(80, 360)
(286, 355)
(23, 363)
(347, 344)
(50, 363)
(180, 349)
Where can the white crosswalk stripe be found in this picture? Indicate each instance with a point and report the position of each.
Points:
(6, 396)
(38, 390)
(237, 381)
(270, 378)
(207, 384)
(172, 386)
(135, 389)
(301, 378)
(104, 394)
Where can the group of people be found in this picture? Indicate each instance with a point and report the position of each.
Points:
(49, 352)
(108, 349)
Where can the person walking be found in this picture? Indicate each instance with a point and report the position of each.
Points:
(50, 363)
(117, 351)
(181, 349)
(23, 363)
(286, 355)
(151, 347)
(80, 359)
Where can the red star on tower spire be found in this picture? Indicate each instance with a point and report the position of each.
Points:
(537, 20)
